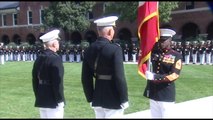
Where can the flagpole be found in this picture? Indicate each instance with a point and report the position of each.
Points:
(149, 64)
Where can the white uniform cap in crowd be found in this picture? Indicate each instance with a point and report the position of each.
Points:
(179, 43)
(167, 32)
(208, 42)
(202, 42)
(106, 21)
(52, 35)
(187, 43)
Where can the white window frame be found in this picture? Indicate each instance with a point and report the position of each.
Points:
(40, 15)
(28, 17)
(4, 21)
(15, 19)
(88, 15)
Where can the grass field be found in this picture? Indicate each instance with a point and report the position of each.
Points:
(17, 98)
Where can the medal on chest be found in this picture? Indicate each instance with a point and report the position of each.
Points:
(168, 58)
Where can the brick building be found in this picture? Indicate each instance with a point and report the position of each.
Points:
(192, 19)
(21, 22)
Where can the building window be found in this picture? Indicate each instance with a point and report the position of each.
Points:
(30, 17)
(41, 16)
(15, 19)
(4, 20)
(104, 7)
(89, 15)
(189, 5)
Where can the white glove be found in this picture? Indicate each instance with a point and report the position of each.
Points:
(90, 104)
(149, 75)
(124, 105)
(61, 104)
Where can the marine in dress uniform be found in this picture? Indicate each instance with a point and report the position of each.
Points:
(71, 52)
(31, 53)
(1, 54)
(63, 52)
(173, 45)
(103, 63)
(22, 53)
(167, 65)
(212, 52)
(208, 52)
(84, 46)
(34, 53)
(6, 53)
(202, 52)
(134, 52)
(47, 78)
(187, 52)
(179, 48)
(126, 50)
(10, 53)
(194, 52)
(78, 53)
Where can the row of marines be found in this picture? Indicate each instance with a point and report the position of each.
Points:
(68, 53)
(195, 52)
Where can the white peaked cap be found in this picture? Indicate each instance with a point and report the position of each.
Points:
(202, 42)
(187, 43)
(52, 35)
(106, 21)
(167, 32)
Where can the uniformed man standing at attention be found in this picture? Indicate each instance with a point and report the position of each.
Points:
(187, 52)
(194, 52)
(71, 52)
(1, 54)
(202, 52)
(208, 52)
(47, 78)
(134, 52)
(167, 64)
(104, 62)
(125, 51)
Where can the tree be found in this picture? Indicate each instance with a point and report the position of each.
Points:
(128, 10)
(68, 15)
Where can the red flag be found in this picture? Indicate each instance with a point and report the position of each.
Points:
(148, 32)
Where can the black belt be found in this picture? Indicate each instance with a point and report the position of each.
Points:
(104, 77)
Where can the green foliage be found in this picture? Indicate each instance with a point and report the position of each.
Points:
(165, 9)
(12, 45)
(24, 45)
(128, 10)
(39, 45)
(69, 15)
(125, 10)
(84, 44)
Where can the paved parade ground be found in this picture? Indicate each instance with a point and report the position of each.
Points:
(198, 108)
